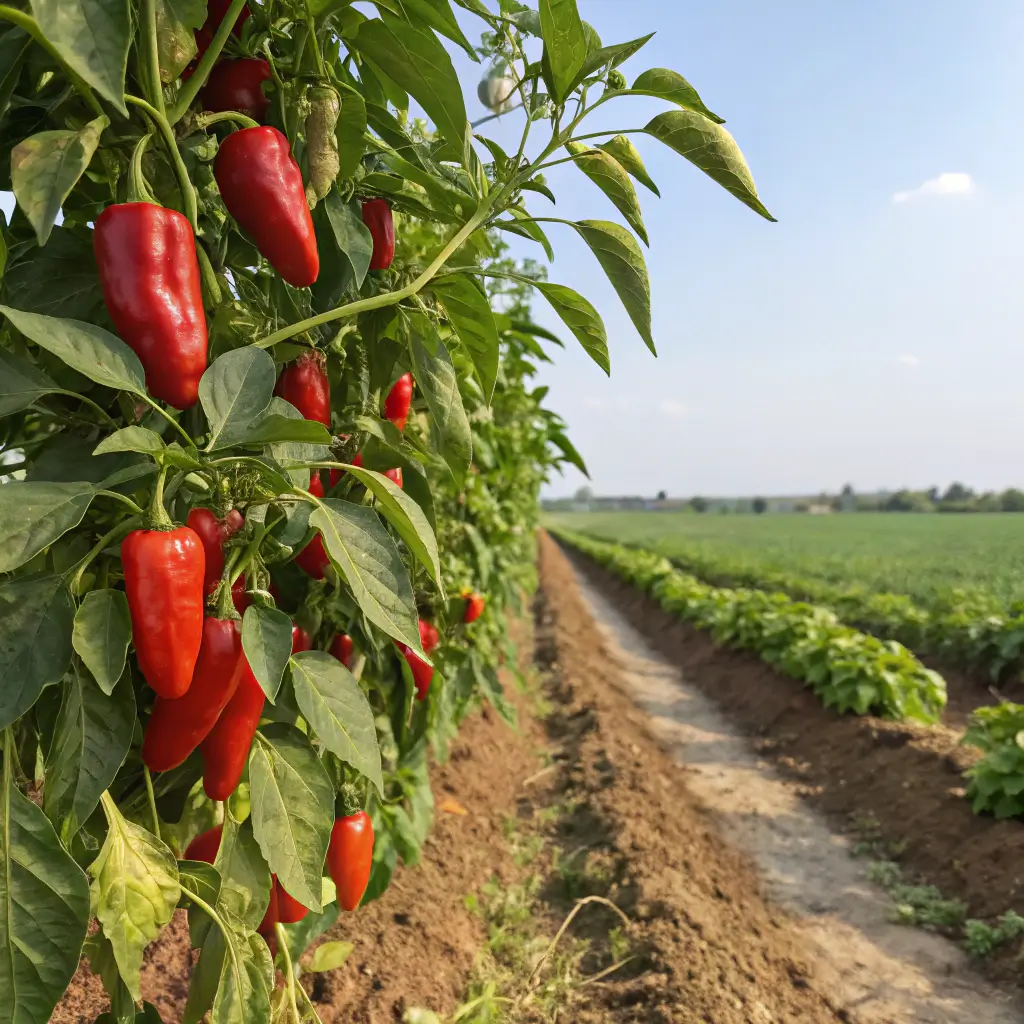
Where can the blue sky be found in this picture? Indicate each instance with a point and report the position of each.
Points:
(859, 339)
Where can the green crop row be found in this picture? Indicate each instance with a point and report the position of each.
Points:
(966, 630)
(848, 670)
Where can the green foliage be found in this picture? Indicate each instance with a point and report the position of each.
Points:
(848, 670)
(815, 560)
(996, 783)
(94, 113)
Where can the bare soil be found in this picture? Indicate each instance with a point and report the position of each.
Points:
(900, 781)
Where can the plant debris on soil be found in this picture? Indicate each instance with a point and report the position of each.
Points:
(896, 784)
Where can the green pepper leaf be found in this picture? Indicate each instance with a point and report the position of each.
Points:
(620, 257)
(565, 43)
(581, 318)
(84, 347)
(21, 383)
(132, 439)
(91, 739)
(36, 619)
(334, 705)
(176, 21)
(267, 642)
(366, 558)
(622, 149)
(134, 889)
(406, 516)
(92, 37)
(33, 515)
(436, 377)
(417, 62)
(44, 908)
(103, 630)
(235, 392)
(470, 314)
(46, 167)
(609, 176)
(670, 85)
(711, 148)
(292, 803)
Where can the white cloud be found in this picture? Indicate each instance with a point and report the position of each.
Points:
(673, 410)
(950, 183)
(604, 405)
(910, 360)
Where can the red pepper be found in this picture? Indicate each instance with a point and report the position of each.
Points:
(429, 636)
(350, 857)
(422, 673)
(177, 727)
(237, 85)
(474, 607)
(163, 578)
(394, 475)
(213, 532)
(289, 909)
(301, 640)
(204, 847)
(239, 595)
(396, 405)
(377, 217)
(149, 273)
(261, 186)
(304, 384)
(312, 559)
(342, 647)
(226, 748)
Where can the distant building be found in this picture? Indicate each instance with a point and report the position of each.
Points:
(818, 509)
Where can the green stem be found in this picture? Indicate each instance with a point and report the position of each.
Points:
(152, 58)
(28, 23)
(598, 135)
(118, 531)
(394, 297)
(170, 419)
(317, 55)
(151, 797)
(188, 92)
(124, 499)
(157, 517)
(107, 418)
(230, 946)
(205, 120)
(138, 189)
(188, 193)
(289, 970)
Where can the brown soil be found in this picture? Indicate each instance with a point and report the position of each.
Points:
(902, 778)
(706, 945)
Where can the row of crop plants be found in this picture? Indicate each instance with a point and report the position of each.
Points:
(964, 630)
(848, 670)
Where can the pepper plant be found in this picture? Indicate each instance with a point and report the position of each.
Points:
(271, 450)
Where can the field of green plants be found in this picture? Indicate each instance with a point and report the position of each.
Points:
(924, 556)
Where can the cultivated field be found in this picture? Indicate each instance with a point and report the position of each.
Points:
(923, 556)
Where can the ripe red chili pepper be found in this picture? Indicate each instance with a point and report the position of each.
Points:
(177, 727)
(213, 532)
(377, 217)
(304, 384)
(289, 909)
(301, 640)
(341, 648)
(163, 578)
(429, 635)
(226, 748)
(239, 595)
(237, 85)
(261, 186)
(394, 475)
(474, 607)
(204, 847)
(313, 559)
(149, 273)
(350, 857)
(396, 405)
(270, 918)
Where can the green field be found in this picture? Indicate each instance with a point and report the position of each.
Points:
(924, 556)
